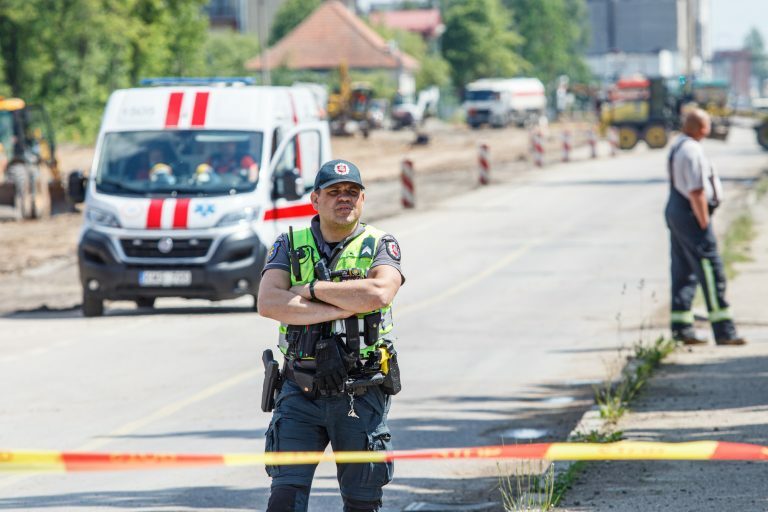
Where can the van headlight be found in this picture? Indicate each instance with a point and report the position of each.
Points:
(239, 217)
(101, 218)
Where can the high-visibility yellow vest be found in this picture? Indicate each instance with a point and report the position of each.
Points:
(357, 253)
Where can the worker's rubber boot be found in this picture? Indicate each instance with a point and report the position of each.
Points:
(688, 336)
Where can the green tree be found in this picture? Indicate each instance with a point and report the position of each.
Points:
(555, 34)
(290, 14)
(754, 43)
(69, 56)
(226, 53)
(433, 68)
(479, 41)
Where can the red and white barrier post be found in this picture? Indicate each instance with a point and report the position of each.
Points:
(407, 178)
(484, 164)
(613, 139)
(567, 145)
(538, 148)
(592, 139)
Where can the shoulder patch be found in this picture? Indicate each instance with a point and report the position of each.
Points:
(366, 249)
(393, 249)
(273, 251)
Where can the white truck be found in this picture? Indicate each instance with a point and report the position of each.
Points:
(501, 101)
(190, 185)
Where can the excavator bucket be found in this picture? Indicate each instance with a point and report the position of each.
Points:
(58, 195)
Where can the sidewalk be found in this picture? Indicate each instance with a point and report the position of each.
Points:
(699, 393)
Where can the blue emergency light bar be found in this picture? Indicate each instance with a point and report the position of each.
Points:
(214, 80)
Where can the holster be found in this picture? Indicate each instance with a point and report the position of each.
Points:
(391, 384)
(272, 381)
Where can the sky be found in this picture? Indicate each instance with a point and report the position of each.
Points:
(731, 20)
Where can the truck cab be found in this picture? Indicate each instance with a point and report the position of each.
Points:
(190, 184)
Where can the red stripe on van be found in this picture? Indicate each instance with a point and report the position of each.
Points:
(200, 110)
(287, 212)
(155, 213)
(174, 110)
(181, 213)
(297, 148)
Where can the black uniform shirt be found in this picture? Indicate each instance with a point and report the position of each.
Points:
(387, 251)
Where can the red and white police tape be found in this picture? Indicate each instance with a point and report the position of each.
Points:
(38, 461)
(407, 178)
(484, 165)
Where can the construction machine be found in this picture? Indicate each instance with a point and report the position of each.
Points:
(650, 108)
(349, 105)
(640, 109)
(30, 182)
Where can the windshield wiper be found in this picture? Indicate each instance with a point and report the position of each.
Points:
(120, 186)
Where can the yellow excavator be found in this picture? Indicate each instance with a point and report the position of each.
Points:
(349, 105)
(30, 182)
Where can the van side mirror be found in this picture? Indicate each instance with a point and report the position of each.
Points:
(76, 185)
(288, 185)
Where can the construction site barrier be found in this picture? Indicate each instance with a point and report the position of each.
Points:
(407, 179)
(484, 165)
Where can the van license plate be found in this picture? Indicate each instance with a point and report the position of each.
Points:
(165, 278)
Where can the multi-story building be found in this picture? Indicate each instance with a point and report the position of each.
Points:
(651, 37)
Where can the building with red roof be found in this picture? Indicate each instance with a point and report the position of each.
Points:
(329, 36)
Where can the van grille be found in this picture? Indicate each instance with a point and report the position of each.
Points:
(181, 247)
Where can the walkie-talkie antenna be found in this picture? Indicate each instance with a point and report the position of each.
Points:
(294, 256)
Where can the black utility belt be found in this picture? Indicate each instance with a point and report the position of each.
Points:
(304, 378)
(366, 373)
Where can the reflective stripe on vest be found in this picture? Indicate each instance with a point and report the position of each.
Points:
(357, 253)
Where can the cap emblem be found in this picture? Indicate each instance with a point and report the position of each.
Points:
(341, 168)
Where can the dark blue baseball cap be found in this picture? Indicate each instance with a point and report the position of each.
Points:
(337, 171)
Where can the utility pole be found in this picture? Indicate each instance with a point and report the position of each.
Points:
(691, 15)
(266, 79)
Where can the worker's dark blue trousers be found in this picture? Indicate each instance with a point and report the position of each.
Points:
(301, 425)
(695, 261)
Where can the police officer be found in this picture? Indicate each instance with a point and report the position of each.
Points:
(319, 401)
(694, 193)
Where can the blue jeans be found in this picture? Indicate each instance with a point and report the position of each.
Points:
(299, 424)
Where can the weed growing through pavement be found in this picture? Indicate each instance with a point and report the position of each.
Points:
(595, 436)
(529, 487)
(613, 399)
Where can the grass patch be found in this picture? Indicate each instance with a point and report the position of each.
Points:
(528, 488)
(736, 242)
(595, 436)
(613, 398)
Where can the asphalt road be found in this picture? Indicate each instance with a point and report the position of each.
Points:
(518, 295)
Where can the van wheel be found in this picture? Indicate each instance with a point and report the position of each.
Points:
(145, 302)
(92, 305)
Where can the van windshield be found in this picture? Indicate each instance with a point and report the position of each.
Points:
(481, 95)
(185, 162)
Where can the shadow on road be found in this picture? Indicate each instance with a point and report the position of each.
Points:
(74, 312)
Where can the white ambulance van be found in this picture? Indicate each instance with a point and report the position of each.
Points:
(191, 183)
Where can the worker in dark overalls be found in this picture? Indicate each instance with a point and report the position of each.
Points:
(694, 193)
